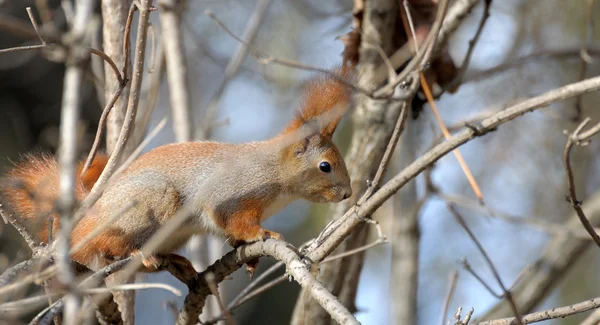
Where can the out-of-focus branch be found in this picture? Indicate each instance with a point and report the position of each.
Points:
(233, 66)
(561, 253)
(338, 229)
(506, 294)
(76, 58)
(136, 84)
(405, 235)
(580, 139)
(378, 124)
(584, 54)
(170, 14)
(114, 18)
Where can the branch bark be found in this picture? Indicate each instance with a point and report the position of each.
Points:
(199, 288)
(170, 20)
(405, 237)
(559, 312)
(374, 122)
(114, 14)
(77, 57)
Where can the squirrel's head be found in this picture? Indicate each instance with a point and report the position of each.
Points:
(318, 170)
(312, 162)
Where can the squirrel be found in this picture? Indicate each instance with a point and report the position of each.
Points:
(233, 186)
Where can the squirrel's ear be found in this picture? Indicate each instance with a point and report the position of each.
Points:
(299, 147)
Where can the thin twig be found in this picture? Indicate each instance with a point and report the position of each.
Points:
(134, 96)
(264, 58)
(389, 151)
(429, 95)
(101, 126)
(554, 313)
(451, 287)
(234, 64)
(472, 44)
(579, 139)
(584, 54)
(506, 293)
(210, 279)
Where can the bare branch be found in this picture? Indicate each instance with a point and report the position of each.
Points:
(235, 259)
(505, 292)
(170, 18)
(559, 312)
(136, 84)
(576, 138)
(234, 65)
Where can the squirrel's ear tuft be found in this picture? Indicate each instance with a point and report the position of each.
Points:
(324, 101)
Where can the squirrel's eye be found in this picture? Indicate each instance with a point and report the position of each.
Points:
(325, 167)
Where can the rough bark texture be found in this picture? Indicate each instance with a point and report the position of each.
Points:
(374, 122)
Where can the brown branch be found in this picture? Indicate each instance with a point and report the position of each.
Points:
(579, 139)
(429, 95)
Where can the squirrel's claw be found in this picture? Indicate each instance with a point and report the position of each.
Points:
(251, 267)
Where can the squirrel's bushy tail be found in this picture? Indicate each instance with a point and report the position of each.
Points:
(31, 188)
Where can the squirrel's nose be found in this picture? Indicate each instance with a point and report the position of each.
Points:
(347, 194)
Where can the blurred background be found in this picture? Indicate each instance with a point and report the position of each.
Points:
(519, 167)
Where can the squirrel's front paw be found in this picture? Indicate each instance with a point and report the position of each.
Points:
(266, 234)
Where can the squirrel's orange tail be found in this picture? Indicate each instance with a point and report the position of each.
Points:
(31, 188)
(324, 100)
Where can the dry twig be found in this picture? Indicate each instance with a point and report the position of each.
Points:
(580, 139)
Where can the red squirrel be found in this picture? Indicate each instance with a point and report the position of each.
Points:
(248, 183)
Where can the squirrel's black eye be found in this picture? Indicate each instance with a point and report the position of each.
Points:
(325, 167)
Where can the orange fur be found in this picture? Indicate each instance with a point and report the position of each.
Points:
(232, 200)
(32, 188)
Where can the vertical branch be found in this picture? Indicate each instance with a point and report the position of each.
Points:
(584, 53)
(375, 121)
(114, 14)
(170, 18)
(76, 60)
(134, 98)
(405, 237)
(205, 246)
